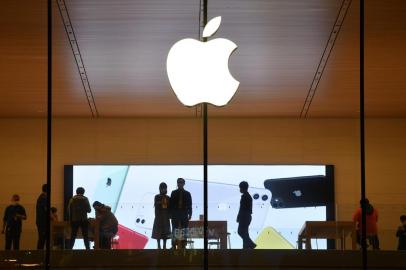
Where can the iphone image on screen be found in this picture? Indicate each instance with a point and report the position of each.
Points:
(130, 191)
(110, 185)
(223, 205)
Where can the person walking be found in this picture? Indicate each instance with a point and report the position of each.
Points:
(244, 216)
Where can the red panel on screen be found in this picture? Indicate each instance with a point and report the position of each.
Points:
(129, 239)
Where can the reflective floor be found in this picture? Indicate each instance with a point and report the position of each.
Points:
(193, 259)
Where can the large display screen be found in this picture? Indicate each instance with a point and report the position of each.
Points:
(284, 197)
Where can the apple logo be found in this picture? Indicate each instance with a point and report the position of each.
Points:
(198, 71)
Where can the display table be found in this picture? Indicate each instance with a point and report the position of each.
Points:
(328, 230)
(62, 230)
(216, 230)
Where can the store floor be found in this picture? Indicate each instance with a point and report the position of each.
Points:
(193, 259)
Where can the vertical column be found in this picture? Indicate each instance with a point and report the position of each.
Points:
(362, 136)
(205, 164)
(49, 136)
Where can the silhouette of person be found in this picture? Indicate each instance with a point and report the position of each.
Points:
(12, 223)
(108, 226)
(41, 217)
(181, 212)
(371, 224)
(161, 228)
(401, 233)
(244, 217)
(78, 208)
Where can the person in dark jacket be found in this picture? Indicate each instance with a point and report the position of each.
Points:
(244, 217)
(401, 233)
(108, 224)
(180, 205)
(12, 223)
(41, 217)
(78, 208)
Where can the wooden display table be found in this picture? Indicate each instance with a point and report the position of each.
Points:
(328, 230)
(62, 230)
(216, 230)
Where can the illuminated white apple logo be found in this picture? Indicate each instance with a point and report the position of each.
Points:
(198, 71)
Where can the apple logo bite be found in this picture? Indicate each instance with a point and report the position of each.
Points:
(198, 71)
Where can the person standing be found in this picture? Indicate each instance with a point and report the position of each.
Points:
(12, 223)
(161, 228)
(41, 217)
(181, 212)
(108, 224)
(244, 216)
(371, 224)
(78, 208)
(401, 233)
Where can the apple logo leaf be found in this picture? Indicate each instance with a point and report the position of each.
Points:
(211, 27)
